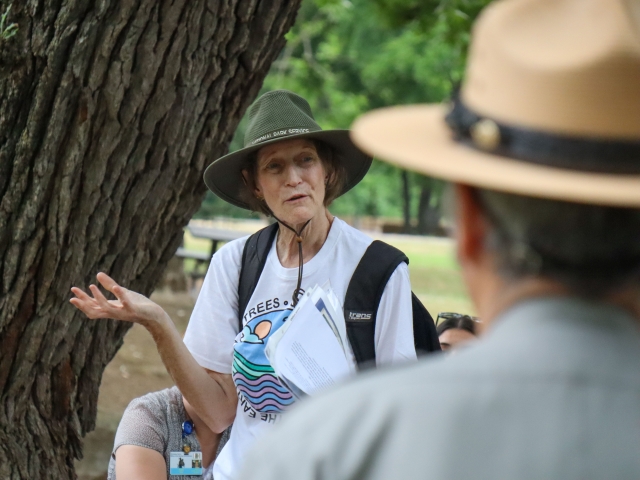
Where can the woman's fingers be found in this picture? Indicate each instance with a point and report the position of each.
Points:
(106, 281)
(89, 310)
(99, 297)
(111, 308)
(80, 294)
(129, 306)
(96, 306)
(110, 285)
(86, 304)
(81, 299)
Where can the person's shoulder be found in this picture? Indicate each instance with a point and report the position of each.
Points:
(345, 422)
(145, 422)
(232, 249)
(378, 390)
(160, 397)
(155, 405)
(389, 390)
(229, 257)
(359, 242)
(352, 235)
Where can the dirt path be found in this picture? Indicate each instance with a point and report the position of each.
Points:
(135, 370)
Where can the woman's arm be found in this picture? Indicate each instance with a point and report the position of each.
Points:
(211, 394)
(140, 463)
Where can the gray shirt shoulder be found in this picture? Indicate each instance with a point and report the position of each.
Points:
(552, 392)
(154, 421)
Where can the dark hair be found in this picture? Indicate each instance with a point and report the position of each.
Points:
(335, 183)
(591, 249)
(464, 322)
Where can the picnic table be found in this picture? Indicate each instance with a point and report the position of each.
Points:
(215, 235)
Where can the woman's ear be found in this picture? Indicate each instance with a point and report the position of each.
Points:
(329, 177)
(256, 189)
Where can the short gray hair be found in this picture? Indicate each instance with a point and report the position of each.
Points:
(591, 249)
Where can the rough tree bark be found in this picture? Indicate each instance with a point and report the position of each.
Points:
(109, 112)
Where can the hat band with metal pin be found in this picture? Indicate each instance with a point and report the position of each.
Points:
(542, 148)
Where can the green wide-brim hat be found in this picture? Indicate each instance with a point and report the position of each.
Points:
(281, 115)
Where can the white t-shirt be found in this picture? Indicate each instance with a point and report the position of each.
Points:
(213, 338)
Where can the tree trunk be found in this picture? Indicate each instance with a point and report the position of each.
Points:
(109, 112)
(406, 201)
(428, 214)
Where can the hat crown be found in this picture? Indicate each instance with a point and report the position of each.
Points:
(564, 66)
(279, 113)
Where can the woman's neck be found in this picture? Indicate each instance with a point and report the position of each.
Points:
(313, 237)
(208, 440)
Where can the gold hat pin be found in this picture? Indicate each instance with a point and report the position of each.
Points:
(485, 134)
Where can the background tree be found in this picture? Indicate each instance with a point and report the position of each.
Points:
(109, 112)
(349, 56)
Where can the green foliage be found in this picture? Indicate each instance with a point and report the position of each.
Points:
(349, 56)
(7, 31)
(457, 14)
(344, 59)
(376, 195)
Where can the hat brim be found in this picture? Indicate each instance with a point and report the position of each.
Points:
(224, 176)
(416, 137)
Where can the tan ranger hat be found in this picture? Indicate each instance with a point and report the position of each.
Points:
(550, 106)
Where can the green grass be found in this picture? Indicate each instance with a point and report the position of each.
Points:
(197, 244)
(435, 275)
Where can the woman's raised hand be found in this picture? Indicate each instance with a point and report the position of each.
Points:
(128, 306)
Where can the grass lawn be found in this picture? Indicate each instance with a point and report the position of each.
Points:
(197, 244)
(435, 275)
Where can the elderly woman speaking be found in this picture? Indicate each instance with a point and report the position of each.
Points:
(289, 169)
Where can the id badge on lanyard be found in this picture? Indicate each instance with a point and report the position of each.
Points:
(181, 463)
(186, 462)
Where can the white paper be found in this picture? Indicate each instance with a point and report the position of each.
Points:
(335, 312)
(308, 352)
(273, 341)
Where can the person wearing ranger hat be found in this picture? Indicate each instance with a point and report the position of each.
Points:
(542, 146)
(290, 169)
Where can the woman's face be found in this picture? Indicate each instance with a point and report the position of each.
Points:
(291, 178)
(453, 338)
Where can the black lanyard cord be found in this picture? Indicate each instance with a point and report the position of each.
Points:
(297, 292)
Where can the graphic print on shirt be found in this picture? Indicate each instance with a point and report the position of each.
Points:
(259, 390)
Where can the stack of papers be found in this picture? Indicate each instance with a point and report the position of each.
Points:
(309, 352)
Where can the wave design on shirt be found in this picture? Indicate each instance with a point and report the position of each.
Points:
(259, 385)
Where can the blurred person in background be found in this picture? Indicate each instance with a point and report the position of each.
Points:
(543, 148)
(152, 427)
(455, 329)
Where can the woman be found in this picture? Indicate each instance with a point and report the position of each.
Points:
(455, 330)
(290, 169)
(152, 428)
